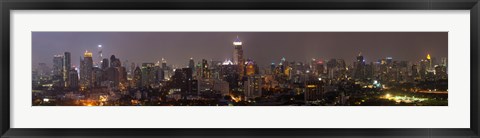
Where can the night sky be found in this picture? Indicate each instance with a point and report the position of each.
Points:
(263, 47)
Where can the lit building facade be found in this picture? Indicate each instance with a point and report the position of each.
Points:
(66, 68)
(86, 68)
(250, 68)
(57, 77)
(253, 87)
(314, 90)
(148, 74)
(238, 56)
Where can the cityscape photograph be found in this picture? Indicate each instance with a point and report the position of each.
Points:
(239, 69)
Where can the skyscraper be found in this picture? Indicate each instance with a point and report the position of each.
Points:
(319, 68)
(191, 64)
(100, 56)
(360, 67)
(58, 71)
(148, 74)
(97, 76)
(57, 65)
(253, 86)
(429, 59)
(164, 64)
(250, 68)
(137, 77)
(115, 62)
(86, 70)
(204, 70)
(66, 69)
(237, 52)
(238, 56)
(105, 63)
(73, 78)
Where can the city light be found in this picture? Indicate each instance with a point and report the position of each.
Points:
(239, 77)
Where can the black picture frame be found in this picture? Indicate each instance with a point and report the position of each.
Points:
(7, 5)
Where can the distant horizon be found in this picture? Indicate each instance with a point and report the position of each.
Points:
(262, 47)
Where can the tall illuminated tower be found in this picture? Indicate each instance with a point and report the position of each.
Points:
(86, 67)
(100, 56)
(191, 64)
(66, 69)
(429, 61)
(238, 55)
(237, 52)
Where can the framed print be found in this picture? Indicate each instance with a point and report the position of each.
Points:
(279, 68)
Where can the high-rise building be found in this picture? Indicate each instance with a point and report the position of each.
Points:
(319, 67)
(360, 67)
(272, 67)
(164, 64)
(113, 74)
(229, 73)
(238, 56)
(414, 72)
(237, 52)
(66, 69)
(183, 80)
(253, 87)
(86, 70)
(73, 78)
(191, 64)
(443, 61)
(132, 68)
(58, 71)
(137, 77)
(314, 90)
(214, 69)
(205, 70)
(369, 70)
(105, 63)
(148, 74)
(115, 62)
(423, 68)
(98, 76)
(251, 68)
(122, 75)
(429, 59)
(57, 65)
(430, 69)
(205, 86)
(100, 57)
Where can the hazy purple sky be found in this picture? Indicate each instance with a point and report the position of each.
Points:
(263, 47)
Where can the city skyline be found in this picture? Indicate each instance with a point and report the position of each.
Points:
(153, 46)
(396, 78)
